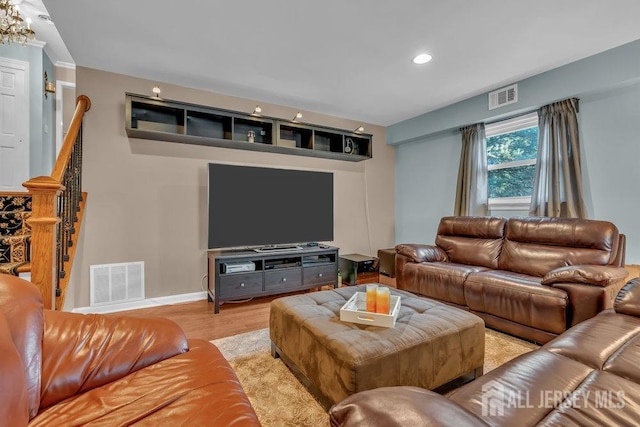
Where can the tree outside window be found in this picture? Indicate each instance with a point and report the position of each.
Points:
(512, 148)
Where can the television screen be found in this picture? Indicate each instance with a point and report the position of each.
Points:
(254, 206)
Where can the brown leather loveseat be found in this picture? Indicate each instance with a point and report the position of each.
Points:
(70, 369)
(588, 376)
(531, 277)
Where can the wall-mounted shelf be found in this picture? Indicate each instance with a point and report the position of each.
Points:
(161, 119)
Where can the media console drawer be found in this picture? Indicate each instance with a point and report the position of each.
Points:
(320, 274)
(284, 278)
(238, 285)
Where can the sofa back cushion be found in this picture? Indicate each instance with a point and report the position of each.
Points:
(471, 240)
(21, 305)
(536, 245)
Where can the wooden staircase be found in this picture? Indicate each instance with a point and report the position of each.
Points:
(46, 227)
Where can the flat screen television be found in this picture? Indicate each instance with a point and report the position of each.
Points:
(256, 206)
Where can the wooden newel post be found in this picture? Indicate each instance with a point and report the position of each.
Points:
(44, 222)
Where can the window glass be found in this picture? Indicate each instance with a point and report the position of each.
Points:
(511, 182)
(512, 148)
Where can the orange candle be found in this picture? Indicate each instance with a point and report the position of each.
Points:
(382, 300)
(371, 298)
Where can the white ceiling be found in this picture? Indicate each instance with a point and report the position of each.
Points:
(345, 58)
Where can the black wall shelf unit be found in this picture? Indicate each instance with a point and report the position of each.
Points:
(149, 117)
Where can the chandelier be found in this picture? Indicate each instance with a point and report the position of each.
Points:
(12, 27)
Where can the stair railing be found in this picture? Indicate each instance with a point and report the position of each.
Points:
(55, 204)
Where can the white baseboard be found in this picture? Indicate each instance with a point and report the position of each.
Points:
(145, 303)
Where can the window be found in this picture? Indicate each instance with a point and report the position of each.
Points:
(512, 147)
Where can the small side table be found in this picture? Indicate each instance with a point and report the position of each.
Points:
(358, 269)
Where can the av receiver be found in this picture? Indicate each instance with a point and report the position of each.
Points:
(238, 266)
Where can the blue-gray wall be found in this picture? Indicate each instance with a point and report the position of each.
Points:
(41, 110)
(608, 85)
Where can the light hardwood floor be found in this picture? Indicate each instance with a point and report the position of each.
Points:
(198, 320)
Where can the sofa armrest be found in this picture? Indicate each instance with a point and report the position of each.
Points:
(628, 299)
(400, 406)
(14, 403)
(598, 275)
(421, 253)
(81, 352)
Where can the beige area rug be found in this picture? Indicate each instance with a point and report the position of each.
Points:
(281, 400)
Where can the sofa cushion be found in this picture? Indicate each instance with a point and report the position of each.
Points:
(196, 388)
(517, 297)
(440, 280)
(593, 343)
(82, 352)
(471, 240)
(519, 389)
(536, 246)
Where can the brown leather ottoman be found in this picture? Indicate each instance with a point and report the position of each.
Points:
(431, 344)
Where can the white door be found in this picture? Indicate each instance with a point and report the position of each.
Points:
(14, 124)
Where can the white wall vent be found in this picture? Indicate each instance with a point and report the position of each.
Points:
(116, 283)
(505, 96)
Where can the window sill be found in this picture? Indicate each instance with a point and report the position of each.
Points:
(510, 204)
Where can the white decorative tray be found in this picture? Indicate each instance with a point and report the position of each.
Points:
(354, 311)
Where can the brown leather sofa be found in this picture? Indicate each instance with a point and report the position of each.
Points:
(531, 277)
(587, 376)
(69, 369)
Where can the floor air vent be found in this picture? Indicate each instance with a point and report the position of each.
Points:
(505, 96)
(116, 283)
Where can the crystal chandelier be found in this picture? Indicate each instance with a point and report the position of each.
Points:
(12, 27)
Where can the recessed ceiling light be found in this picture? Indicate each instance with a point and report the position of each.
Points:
(423, 58)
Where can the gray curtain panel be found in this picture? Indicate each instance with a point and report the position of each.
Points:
(472, 192)
(557, 189)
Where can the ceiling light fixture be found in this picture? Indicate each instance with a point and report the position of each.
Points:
(423, 58)
(359, 129)
(297, 116)
(257, 111)
(156, 90)
(12, 25)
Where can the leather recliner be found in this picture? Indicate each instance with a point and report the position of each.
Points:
(68, 369)
(531, 277)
